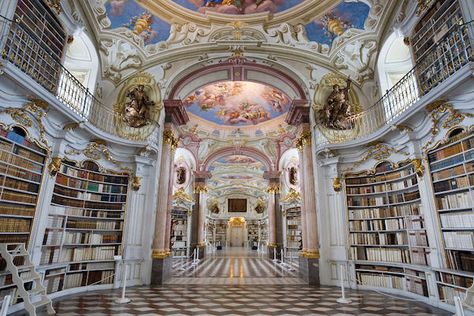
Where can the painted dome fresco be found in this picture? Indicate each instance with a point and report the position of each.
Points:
(237, 103)
(238, 6)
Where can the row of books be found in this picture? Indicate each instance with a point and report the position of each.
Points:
(447, 293)
(414, 222)
(447, 163)
(420, 256)
(106, 225)
(19, 185)
(92, 266)
(14, 136)
(458, 220)
(64, 201)
(90, 186)
(11, 209)
(382, 188)
(88, 213)
(12, 171)
(49, 255)
(447, 173)
(89, 196)
(459, 240)
(383, 239)
(461, 260)
(15, 225)
(52, 237)
(380, 178)
(10, 158)
(457, 200)
(418, 238)
(383, 200)
(457, 280)
(6, 146)
(296, 222)
(380, 280)
(380, 254)
(18, 197)
(293, 232)
(55, 221)
(14, 239)
(54, 284)
(377, 225)
(88, 238)
(446, 152)
(378, 213)
(416, 285)
(83, 254)
(89, 175)
(451, 184)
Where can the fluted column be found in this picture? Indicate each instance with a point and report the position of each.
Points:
(200, 196)
(272, 210)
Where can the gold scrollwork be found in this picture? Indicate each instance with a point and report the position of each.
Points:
(303, 140)
(136, 183)
(170, 139)
(292, 196)
(273, 188)
(419, 168)
(54, 166)
(311, 254)
(336, 184)
(98, 149)
(437, 109)
(200, 188)
(35, 110)
(180, 194)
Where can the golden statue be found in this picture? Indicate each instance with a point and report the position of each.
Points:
(137, 110)
(337, 109)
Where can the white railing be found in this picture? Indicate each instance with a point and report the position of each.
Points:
(22, 49)
(451, 53)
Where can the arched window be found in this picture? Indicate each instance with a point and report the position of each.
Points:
(394, 62)
(82, 61)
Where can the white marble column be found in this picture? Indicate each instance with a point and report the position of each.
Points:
(160, 248)
(271, 216)
(202, 215)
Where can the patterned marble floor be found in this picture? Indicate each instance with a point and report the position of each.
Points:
(237, 282)
(238, 300)
(235, 266)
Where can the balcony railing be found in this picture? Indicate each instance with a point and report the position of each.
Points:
(451, 53)
(21, 48)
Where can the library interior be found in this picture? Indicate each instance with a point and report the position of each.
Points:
(237, 157)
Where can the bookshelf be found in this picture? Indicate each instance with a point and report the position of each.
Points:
(439, 21)
(179, 233)
(221, 234)
(293, 232)
(252, 233)
(387, 236)
(453, 283)
(84, 227)
(22, 164)
(451, 166)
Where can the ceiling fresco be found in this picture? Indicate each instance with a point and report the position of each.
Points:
(237, 103)
(128, 14)
(238, 6)
(333, 24)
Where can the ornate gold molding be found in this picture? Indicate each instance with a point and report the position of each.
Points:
(54, 166)
(292, 196)
(180, 194)
(377, 151)
(419, 168)
(336, 184)
(136, 183)
(160, 254)
(273, 188)
(31, 112)
(200, 188)
(404, 128)
(311, 254)
(170, 139)
(437, 110)
(55, 5)
(70, 126)
(303, 140)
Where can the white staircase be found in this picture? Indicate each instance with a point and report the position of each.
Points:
(25, 277)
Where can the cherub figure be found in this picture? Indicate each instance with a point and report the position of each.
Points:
(337, 108)
(138, 108)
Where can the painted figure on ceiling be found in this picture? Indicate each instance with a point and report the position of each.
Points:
(237, 6)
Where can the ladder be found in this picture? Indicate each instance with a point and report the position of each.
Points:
(25, 277)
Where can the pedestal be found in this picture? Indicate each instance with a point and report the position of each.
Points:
(161, 270)
(309, 270)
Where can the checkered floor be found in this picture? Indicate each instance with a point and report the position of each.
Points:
(238, 300)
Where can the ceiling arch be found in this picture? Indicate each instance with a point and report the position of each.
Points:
(246, 151)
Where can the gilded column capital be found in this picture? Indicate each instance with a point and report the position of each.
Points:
(136, 183)
(273, 188)
(303, 140)
(200, 188)
(170, 139)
